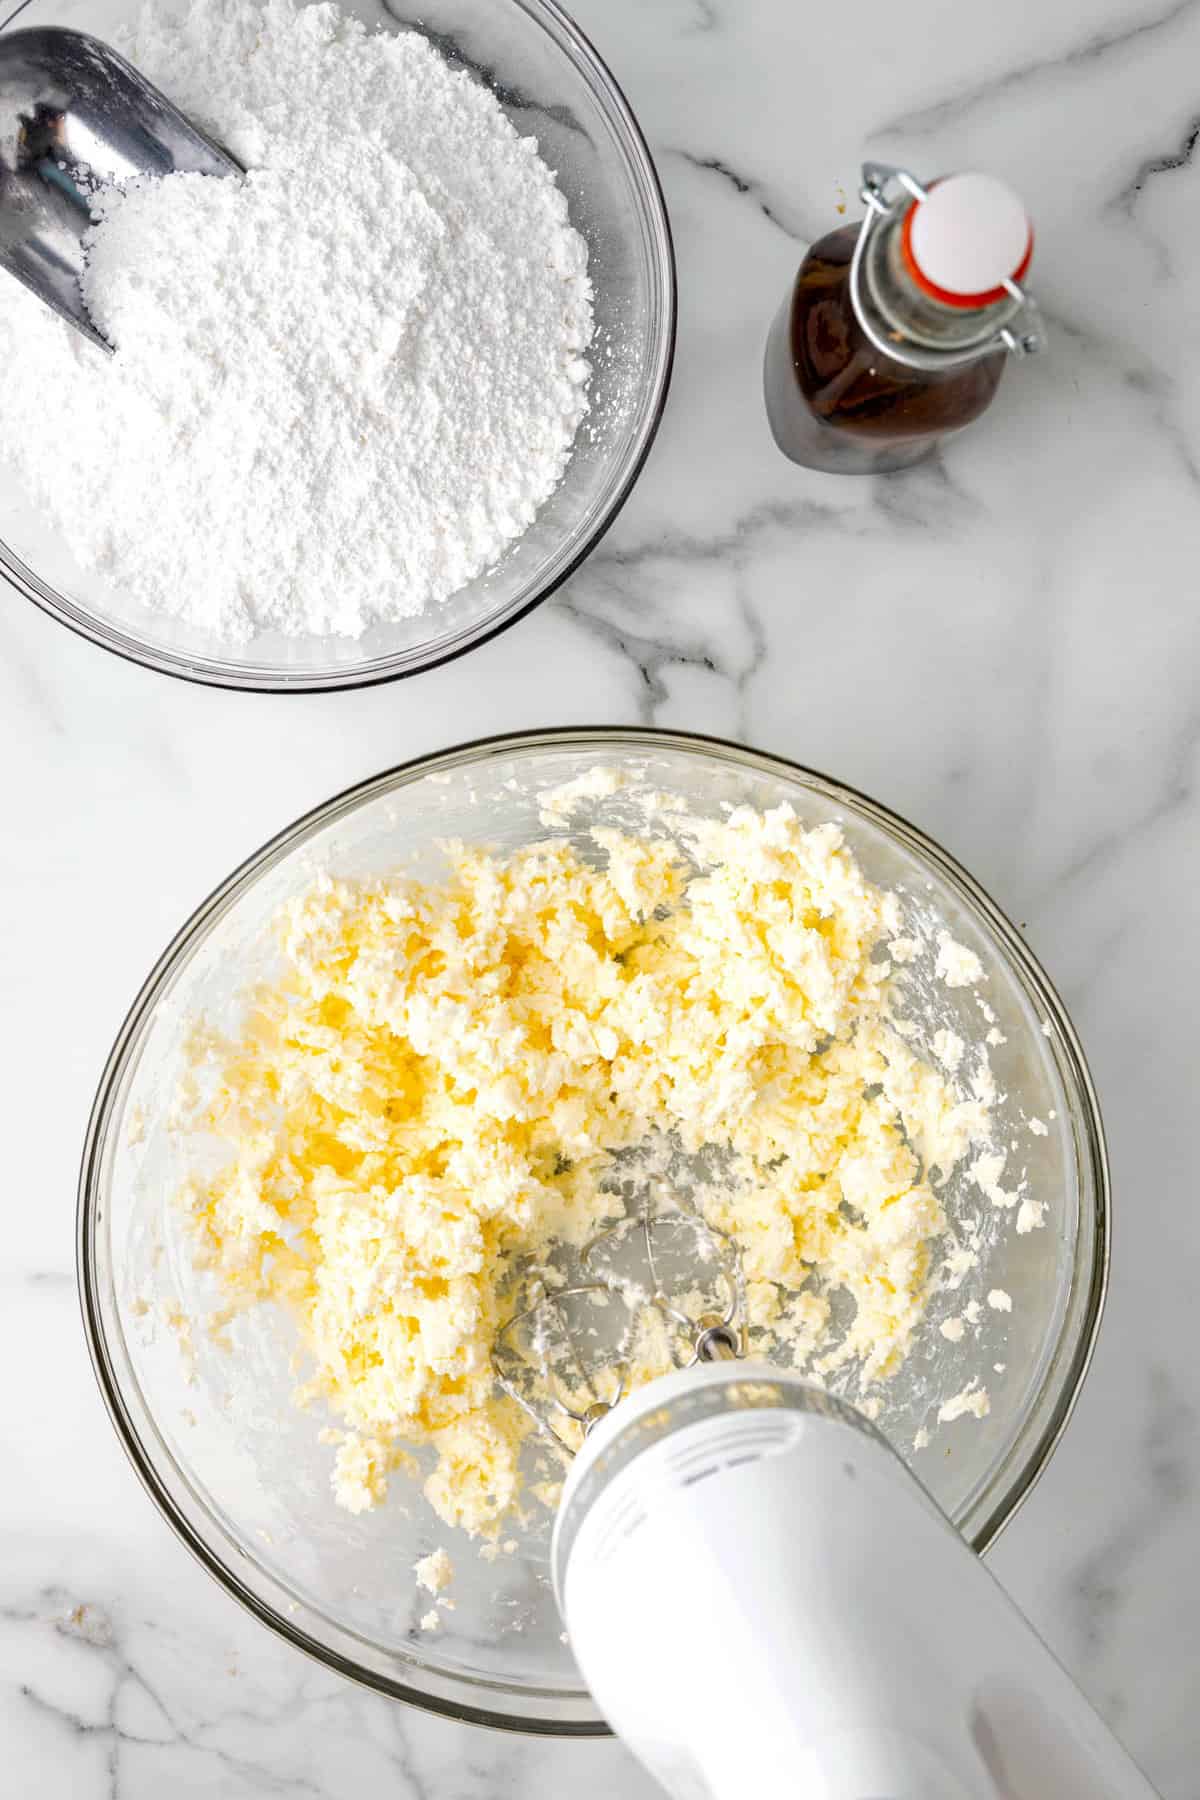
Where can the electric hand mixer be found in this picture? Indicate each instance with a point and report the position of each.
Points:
(762, 1598)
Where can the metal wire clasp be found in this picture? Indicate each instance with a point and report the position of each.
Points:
(884, 192)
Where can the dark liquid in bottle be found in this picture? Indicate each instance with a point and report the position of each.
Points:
(834, 401)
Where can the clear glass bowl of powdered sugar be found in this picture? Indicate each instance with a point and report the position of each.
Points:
(204, 1395)
(528, 533)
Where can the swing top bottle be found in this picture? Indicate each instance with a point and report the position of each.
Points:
(897, 330)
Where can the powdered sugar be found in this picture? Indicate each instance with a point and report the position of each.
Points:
(342, 385)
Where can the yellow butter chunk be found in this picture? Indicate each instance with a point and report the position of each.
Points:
(434, 1086)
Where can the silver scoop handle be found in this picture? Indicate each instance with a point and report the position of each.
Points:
(75, 115)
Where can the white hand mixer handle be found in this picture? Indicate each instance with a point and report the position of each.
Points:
(765, 1602)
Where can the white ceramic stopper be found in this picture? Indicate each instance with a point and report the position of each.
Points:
(969, 236)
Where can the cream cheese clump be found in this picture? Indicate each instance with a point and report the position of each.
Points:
(434, 1572)
(434, 1088)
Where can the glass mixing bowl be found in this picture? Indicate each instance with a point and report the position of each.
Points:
(238, 1470)
(554, 87)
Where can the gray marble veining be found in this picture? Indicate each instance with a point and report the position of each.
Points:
(1003, 645)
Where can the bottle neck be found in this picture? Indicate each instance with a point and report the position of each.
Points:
(908, 315)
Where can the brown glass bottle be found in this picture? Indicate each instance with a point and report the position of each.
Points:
(823, 370)
(836, 398)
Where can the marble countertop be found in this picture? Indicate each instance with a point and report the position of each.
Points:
(1003, 645)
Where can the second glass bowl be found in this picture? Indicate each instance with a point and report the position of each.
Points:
(554, 87)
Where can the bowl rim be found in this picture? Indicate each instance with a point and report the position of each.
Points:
(120, 642)
(1026, 1463)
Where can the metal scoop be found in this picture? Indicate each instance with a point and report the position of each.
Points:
(74, 117)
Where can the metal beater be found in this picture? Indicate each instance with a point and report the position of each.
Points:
(559, 1364)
